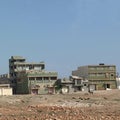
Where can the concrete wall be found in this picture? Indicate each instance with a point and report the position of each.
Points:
(118, 82)
(81, 72)
(6, 91)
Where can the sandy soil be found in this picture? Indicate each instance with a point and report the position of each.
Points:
(101, 105)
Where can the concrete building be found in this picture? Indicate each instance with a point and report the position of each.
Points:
(18, 63)
(36, 82)
(101, 77)
(5, 89)
(118, 82)
(4, 79)
(5, 85)
(73, 84)
(31, 77)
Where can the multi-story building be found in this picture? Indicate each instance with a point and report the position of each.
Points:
(30, 77)
(100, 76)
(18, 63)
(36, 82)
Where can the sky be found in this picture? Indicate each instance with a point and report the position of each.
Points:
(65, 34)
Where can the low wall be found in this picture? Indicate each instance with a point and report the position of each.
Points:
(6, 91)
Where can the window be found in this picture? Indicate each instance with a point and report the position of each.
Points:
(78, 81)
(31, 78)
(107, 85)
(46, 78)
(38, 78)
(15, 67)
(15, 74)
(31, 67)
(53, 78)
(112, 75)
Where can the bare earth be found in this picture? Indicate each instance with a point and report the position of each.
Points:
(101, 105)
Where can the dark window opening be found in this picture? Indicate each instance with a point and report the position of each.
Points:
(46, 78)
(31, 78)
(78, 81)
(38, 78)
(31, 67)
(53, 78)
(112, 75)
(108, 85)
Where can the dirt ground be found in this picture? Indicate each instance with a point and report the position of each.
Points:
(101, 105)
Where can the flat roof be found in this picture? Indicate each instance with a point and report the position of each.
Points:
(17, 57)
(29, 63)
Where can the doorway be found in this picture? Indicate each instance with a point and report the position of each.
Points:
(34, 91)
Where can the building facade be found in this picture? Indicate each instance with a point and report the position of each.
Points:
(101, 77)
(73, 84)
(30, 78)
(118, 82)
(36, 82)
(5, 85)
(18, 64)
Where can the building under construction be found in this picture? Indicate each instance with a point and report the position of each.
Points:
(30, 78)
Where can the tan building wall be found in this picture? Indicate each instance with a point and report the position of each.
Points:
(102, 76)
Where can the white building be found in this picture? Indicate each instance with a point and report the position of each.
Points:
(118, 82)
(5, 89)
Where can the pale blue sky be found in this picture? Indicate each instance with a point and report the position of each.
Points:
(64, 34)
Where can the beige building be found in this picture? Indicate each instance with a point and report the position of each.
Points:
(5, 85)
(31, 78)
(5, 89)
(36, 82)
(101, 77)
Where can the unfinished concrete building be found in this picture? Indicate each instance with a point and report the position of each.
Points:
(18, 63)
(101, 77)
(31, 77)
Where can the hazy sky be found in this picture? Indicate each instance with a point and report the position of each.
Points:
(64, 34)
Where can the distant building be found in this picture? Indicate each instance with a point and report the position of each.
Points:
(73, 84)
(31, 78)
(5, 85)
(5, 89)
(101, 77)
(36, 82)
(118, 82)
(4, 79)
(18, 63)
